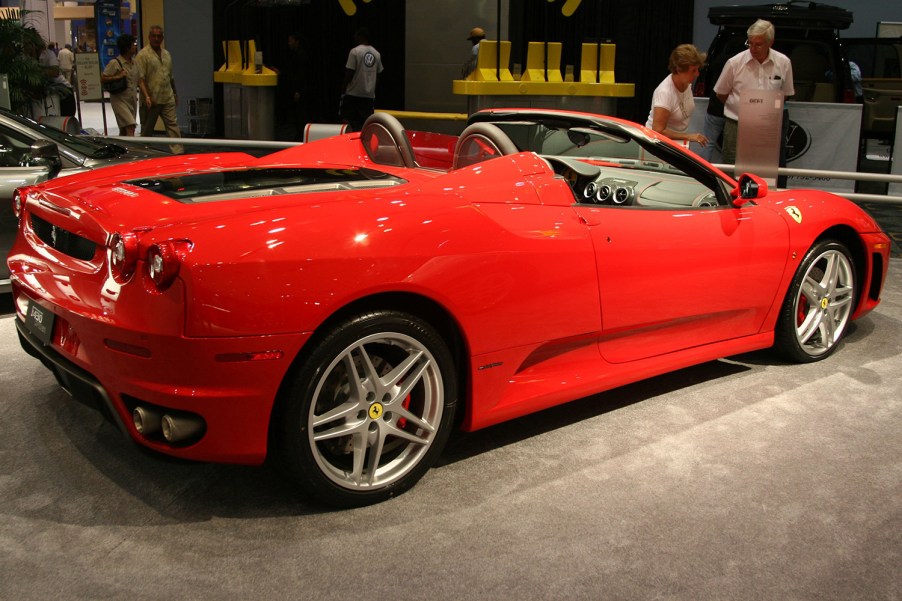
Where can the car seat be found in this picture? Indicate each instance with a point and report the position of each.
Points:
(480, 142)
(386, 142)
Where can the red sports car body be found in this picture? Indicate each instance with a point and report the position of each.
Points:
(342, 305)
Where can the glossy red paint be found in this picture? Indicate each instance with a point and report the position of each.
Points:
(547, 299)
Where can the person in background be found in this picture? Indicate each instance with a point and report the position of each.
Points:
(714, 118)
(855, 71)
(124, 103)
(361, 75)
(672, 103)
(58, 86)
(67, 62)
(758, 68)
(477, 34)
(156, 82)
(297, 76)
(49, 61)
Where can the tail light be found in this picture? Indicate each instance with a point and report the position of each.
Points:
(123, 256)
(164, 260)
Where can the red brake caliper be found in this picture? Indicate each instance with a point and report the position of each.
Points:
(803, 310)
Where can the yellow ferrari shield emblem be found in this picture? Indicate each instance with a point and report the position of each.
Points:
(376, 410)
(795, 213)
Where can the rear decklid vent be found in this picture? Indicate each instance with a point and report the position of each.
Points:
(62, 240)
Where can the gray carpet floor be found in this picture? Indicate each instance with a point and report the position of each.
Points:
(744, 478)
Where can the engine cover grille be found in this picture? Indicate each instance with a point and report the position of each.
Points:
(63, 240)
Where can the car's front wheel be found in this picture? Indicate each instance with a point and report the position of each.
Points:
(368, 410)
(818, 305)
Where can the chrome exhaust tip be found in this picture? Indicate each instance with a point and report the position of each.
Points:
(146, 421)
(177, 428)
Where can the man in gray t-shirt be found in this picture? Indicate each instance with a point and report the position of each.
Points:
(361, 75)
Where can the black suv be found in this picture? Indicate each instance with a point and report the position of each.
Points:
(806, 32)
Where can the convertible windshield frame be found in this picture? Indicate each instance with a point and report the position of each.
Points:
(660, 152)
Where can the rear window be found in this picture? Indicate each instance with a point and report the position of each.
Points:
(253, 183)
(879, 59)
(814, 66)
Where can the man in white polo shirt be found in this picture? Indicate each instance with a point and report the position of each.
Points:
(758, 68)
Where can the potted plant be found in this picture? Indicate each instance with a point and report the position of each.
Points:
(20, 46)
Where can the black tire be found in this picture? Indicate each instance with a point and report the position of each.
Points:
(350, 441)
(818, 305)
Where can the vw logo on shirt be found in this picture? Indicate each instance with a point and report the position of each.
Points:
(369, 59)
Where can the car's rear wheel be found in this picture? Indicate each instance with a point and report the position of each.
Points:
(818, 305)
(368, 410)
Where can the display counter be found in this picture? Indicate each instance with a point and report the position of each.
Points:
(248, 93)
(541, 83)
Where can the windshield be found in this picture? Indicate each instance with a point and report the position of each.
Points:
(84, 146)
(584, 143)
(612, 162)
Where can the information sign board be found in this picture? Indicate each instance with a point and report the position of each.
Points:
(87, 67)
(760, 133)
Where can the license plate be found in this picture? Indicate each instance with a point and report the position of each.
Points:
(39, 321)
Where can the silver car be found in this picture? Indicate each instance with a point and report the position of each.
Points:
(31, 152)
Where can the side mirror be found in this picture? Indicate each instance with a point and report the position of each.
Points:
(750, 187)
(44, 153)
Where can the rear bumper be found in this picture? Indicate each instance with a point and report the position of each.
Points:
(207, 377)
(81, 385)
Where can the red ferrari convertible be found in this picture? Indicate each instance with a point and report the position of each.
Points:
(339, 307)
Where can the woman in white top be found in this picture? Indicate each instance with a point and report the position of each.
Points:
(672, 104)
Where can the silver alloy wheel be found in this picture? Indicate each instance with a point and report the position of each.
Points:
(375, 411)
(824, 302)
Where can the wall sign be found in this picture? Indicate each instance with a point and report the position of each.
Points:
(107, 15)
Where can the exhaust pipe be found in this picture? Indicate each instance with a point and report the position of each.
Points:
(147, 421)
(177, 428)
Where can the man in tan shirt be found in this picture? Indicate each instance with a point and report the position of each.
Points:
(159, 98)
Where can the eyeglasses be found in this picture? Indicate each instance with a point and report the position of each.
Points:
(749, 44)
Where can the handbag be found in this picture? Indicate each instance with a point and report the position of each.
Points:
(117, 85)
